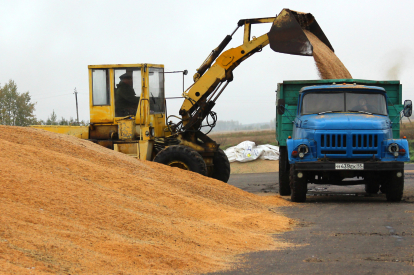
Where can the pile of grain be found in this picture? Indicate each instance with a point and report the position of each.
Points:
(70, 206)
(328, 64)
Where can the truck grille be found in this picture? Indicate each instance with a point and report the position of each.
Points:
(364, 141)
(333, 144)
(364, 144)
(350, 145)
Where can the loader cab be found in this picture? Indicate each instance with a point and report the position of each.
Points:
(140, 95)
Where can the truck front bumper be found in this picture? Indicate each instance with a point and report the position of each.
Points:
(368, 166)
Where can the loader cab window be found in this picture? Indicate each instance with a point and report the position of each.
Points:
(127, 83)
(100, 87)
(156, 90)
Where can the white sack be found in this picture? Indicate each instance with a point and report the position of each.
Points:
(248, 151)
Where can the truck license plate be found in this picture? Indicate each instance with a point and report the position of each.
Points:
(349, 166)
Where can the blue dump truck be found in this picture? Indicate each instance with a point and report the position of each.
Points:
(333, 130)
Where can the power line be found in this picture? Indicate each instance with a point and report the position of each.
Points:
(53, 96)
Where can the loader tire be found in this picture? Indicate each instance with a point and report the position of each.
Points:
(182, 157)
(284, 169)
(221, 166)
(394, 187)
(299, 186)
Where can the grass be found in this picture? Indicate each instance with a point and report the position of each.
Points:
(229, 139)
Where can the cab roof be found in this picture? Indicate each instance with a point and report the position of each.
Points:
(343, 87)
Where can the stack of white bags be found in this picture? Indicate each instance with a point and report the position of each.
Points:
(248, 151)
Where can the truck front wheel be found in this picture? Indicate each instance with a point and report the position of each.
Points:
(372, 188)
(284, 188)
(298, 185)
(182, 157)
(394, 187)
(372, 183)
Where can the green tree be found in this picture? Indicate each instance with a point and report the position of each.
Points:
(52, 120)
(15, 109)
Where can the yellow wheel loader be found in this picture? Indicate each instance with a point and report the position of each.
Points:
(143, 130)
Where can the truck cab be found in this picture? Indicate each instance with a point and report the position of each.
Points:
(343, 131)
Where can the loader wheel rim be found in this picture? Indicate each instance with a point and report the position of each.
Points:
(179, 164)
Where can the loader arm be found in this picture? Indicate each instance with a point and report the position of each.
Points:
(286, 36)
(199, 98)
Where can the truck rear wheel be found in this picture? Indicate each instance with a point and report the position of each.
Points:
(394, 187)
(299, 186)
(182, 157)
(284, 187)
(221, 166)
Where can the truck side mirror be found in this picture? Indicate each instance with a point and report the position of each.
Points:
(280, 106)
(408, 108)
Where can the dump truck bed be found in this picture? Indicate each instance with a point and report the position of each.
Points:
(289, 91)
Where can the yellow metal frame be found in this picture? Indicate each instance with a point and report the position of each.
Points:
(223, 67)
(77, 131)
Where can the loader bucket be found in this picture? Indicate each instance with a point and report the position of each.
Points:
(286, 34)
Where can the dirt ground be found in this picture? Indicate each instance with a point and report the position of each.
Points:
(256, 166)
(340, 230)
(69, 206)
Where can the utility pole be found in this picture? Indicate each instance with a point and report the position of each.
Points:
(76, 97)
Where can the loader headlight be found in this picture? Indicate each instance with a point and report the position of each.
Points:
(394, 149)
(302, 150)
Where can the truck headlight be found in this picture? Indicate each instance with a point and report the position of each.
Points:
(394, 149)
(303, 150)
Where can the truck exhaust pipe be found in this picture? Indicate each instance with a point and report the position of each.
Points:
(286, 34)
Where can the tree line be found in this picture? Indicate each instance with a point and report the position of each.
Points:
(232, 125)
(53, 120)
(16, 109)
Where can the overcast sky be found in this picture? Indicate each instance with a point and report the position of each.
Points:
(46, 46)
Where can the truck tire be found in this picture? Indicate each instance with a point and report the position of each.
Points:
(183, 157)
(284, 170)
(373, 180)
(299, 186)
(394, 187)
(372, 185)
(221, 166)
(372, 188)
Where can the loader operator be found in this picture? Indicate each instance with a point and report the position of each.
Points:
(126, 101)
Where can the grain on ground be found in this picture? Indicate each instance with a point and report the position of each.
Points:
(71, 206)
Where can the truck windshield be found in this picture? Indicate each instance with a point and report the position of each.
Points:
(315, 103)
